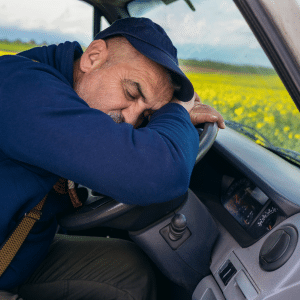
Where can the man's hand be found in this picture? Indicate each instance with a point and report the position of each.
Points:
(201, 113)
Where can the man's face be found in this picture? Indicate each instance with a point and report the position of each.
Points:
(126, 85)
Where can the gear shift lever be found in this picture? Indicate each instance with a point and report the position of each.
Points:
(177, 227)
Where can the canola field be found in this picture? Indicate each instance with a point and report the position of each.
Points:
(6, 53)
(261, 102)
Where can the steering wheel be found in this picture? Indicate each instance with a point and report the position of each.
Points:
(207, 138)
(99, 209)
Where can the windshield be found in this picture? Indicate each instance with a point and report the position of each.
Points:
(228, 68)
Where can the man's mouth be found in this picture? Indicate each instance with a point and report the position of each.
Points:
(118, 118)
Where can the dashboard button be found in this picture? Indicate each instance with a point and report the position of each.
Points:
(227, 272)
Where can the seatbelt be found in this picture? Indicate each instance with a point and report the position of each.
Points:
(13, 243)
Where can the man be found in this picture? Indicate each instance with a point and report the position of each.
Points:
(76, 115)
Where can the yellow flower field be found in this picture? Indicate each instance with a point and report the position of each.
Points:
(6, 53)
(257, 101)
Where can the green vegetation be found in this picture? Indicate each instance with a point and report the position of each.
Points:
(16, 46)
(214, 66)
(19, 46)
(230, 68)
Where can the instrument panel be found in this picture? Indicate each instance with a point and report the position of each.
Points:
(250, 207)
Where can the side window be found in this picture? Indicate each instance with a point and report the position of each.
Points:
(104, 23)
(229, 70)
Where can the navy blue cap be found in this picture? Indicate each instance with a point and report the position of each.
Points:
(152, 41)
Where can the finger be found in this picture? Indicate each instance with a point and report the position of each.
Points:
(221, 124)
(198, 118)
(207, 110)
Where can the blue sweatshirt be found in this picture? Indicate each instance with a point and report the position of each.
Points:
(48, 131)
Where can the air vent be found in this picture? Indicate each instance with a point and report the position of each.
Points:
(278, 248)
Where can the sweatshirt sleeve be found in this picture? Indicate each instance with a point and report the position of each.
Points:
(45, 124)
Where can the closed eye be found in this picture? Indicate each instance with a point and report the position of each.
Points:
(130, 95)
(133, 89)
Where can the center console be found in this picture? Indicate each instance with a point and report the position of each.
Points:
(180, 244)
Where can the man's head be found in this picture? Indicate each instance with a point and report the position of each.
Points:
(114, 77)
(129, 68)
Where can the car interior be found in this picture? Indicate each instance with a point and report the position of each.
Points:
(234, 234)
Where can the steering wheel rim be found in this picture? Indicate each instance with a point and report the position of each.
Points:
(99, 209)
(207, 138)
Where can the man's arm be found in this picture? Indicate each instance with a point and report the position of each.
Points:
(45, 124)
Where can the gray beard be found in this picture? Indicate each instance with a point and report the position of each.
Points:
(118, 118)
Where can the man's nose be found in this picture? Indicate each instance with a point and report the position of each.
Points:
(134, 111)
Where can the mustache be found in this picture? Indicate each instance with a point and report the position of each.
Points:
(118, 118)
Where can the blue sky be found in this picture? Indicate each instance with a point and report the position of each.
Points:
(216, 31)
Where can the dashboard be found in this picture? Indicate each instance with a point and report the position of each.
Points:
(246, 188)
(253, 196)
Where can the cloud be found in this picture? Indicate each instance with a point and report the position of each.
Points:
(186, 31)
(215, 23)
(65, 17)
(228, 6)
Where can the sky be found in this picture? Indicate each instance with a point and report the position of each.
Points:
(51, 21)
(215, 31)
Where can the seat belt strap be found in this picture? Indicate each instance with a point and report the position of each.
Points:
(14, 242)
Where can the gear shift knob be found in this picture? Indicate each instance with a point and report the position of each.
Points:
(177, 227)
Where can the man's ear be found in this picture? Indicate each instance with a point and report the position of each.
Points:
(94, 56)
